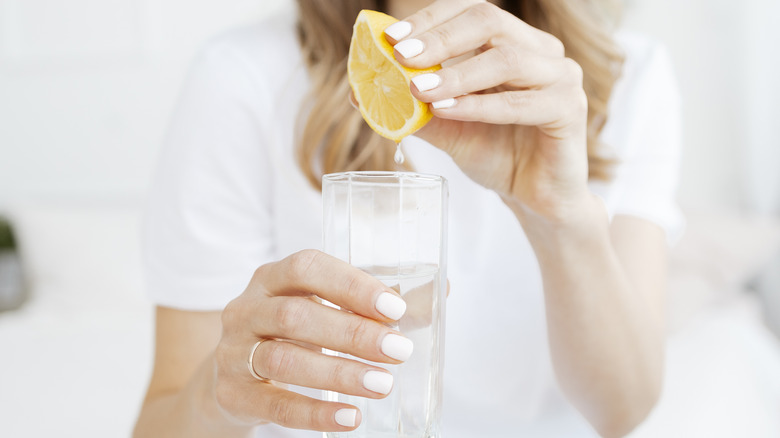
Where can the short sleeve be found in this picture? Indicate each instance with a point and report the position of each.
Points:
(644, 130)
(207, 225)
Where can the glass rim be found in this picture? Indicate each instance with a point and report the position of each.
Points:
(382, 177)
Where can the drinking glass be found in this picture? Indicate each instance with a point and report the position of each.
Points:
(393, 225)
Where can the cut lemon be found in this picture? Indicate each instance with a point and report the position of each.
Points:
(380, 83)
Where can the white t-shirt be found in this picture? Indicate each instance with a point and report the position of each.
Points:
(230, 197)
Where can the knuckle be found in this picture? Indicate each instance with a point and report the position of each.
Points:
(358, 332)
(302, 262)
(260, 276)
(555, 46)
(353, 288)
(442, 36)
(231, 314)
(422, 18)
(514, 100)
(338, 375)
(510, 58)
(454, 78)
(485, 12)
(282, 410)
(321, 419)
(573, 70)
(260, 272)
(552, 46)
(289, 314)
(277, 360)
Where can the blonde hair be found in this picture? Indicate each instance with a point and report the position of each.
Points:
(334, 137)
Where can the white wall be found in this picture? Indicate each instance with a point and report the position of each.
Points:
(725, 54)
(86, 88)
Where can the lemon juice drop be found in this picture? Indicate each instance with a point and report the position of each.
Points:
(399, 154)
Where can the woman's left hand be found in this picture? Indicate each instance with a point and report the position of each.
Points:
(514, 116)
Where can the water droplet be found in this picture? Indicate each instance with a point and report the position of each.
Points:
(399, 154)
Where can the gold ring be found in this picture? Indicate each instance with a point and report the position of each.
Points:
(251, 358)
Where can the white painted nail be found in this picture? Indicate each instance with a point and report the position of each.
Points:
(390, 305)
(446, 103)
(353, 102)
(409, 48)
(378, 381)
(399, 30)
(346, 417)
(397, 347)
(426, 81)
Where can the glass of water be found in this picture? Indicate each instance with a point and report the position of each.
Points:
(393, 225)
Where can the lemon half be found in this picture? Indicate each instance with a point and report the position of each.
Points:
(381, 84)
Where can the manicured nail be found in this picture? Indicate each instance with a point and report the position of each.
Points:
(352, 101)
(426, 81)
(399, 30)
(446, 103)
(390, 305)
(409, 48)
(346, 417)
(397, 347)
(378, 381)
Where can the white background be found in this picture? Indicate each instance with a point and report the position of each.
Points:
(86, 89)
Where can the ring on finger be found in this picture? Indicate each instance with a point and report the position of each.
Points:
(250, 364)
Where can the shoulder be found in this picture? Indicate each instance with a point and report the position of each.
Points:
(639, 48)
(643, 132)
(647, 70)
(645, 96)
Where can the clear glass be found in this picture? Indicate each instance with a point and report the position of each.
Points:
(393, 225)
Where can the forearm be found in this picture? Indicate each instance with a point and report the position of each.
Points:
(606, 338)
(191, 411)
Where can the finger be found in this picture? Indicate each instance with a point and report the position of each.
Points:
(289, 363)
(311, 272)
(426, 18)
(465, 32)
(303, 320)
(509, 66)
(483, 25)
(286, 408)
(543, 108)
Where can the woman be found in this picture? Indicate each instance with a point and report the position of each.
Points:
(555, 321)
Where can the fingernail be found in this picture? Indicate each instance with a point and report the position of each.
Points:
(409, 48)
(426, 81)
(346, 417)
(399, 30)
(378, 381)
(397, 347)
(352, 101)
(390, 305)
(446, 103)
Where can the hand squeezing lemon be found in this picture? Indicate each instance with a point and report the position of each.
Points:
(381, 84)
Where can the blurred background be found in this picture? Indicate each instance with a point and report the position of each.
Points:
(86, 89)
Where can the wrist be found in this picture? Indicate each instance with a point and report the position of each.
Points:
(582, 220)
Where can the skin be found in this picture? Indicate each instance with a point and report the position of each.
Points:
(524, 136)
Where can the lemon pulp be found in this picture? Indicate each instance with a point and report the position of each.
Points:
(381, 84)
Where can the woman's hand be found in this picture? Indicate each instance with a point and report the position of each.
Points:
(514, 116)
(281, 304)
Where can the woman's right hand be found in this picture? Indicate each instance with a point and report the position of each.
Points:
(281, 304)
